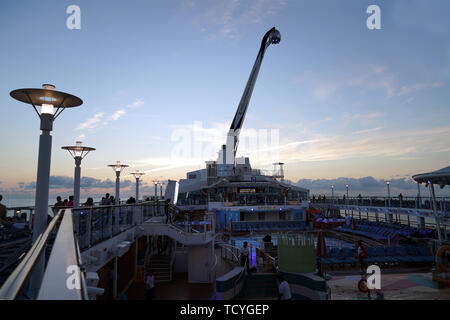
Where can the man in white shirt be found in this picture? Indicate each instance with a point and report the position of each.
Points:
(245, 253)
(150, 286)
(284, 289)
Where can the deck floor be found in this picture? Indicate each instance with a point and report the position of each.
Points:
(396, 286)
(179, 288)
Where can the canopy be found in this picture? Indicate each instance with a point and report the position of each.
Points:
(439, 177)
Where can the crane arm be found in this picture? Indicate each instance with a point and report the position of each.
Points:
(271, 37)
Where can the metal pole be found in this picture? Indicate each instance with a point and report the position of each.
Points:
(76, 183)
(41, 198)
(389, 196)
(332, 195)
(438, 226)
(116, 202)
(160, 193)
(137, 189)
(156, 192)
(418, 194)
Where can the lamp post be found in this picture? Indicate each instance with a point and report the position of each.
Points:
(346, 186)
(332, 193)
(156, 189)
(48, 99)
(389, 193)
(118, 168)
(160, 190)
(419, 199)
(137, 176)
(78, 152)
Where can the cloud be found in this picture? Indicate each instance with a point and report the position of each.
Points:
(227, 18)
(116, 115)
(365, 116)
(366, 186)
(380, 143)
(135, 104)
(418, 86)
(64, 182)
(367, 130)
(326, 84)
(91, 122)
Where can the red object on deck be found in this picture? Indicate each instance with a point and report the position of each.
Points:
(230, 226)
(353, 224)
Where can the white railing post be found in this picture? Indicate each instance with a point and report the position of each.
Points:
(88, 227)
(110, 221)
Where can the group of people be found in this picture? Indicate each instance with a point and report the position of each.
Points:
(65, 203)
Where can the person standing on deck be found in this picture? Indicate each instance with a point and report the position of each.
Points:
(361, 255)
(150, 286)
(2, 212)
(245, 252)
(70, 202)
(284, 289)
(166, 211)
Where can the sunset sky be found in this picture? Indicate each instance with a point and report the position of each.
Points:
(161, 81)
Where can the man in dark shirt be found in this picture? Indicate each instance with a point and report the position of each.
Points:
(166, 211)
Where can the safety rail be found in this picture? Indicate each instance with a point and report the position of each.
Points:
(99, 223)
(229, 252)
(442, 203)
(28, 281)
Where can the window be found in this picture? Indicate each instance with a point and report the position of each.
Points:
(261, 216)
(282, 215)
(242, 216)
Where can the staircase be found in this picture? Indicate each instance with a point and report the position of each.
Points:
(260, 286)
(160, 265)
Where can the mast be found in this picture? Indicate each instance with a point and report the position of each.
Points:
(228, 154)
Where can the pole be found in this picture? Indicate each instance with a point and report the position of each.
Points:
(41, 198)
(418, 194)
(438, 226)
(156, 192)
(389, 196)
(76, 183)
(160, 193)
(116, 201)
(137, 189)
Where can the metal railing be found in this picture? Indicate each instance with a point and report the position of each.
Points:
(442, 203)
(99, 223)
(28, 282)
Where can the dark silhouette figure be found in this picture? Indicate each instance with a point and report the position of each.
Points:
(166, 211)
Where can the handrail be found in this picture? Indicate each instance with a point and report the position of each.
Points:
(224, 245)
(239, 278)
(63, 256)
(13, 285)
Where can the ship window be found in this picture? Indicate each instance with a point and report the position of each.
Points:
(192, 176)
(282, 215)
(261, 216)
(242, 217)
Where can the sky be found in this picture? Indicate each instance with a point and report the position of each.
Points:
(161, 80)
